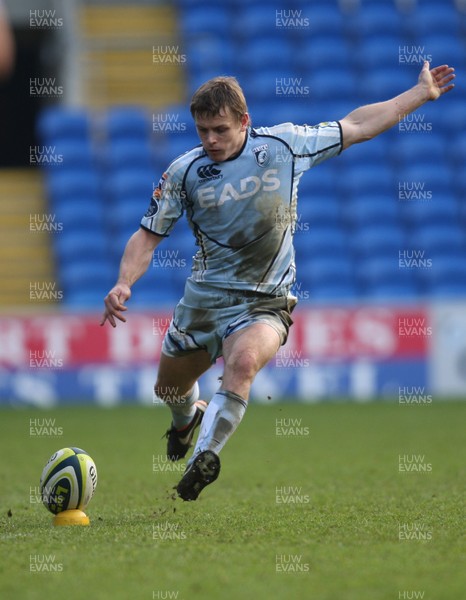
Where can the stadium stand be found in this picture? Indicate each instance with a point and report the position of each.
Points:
(354, 207)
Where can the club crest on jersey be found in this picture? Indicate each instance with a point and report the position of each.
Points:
(261, 154)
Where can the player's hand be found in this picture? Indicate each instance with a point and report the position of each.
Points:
(115, 304)
(436, 81)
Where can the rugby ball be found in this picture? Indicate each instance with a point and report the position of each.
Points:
(68, 480)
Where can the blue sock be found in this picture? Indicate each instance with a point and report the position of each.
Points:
(221, 418)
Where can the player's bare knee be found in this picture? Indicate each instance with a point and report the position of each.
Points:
(243, 365)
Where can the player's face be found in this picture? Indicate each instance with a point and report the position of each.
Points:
(222, 136)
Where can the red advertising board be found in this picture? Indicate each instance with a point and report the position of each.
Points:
(317, 334)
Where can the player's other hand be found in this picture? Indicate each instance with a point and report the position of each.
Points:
(115, 304)
(436, 81)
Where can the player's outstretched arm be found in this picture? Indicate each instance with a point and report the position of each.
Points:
(368, 121)
(136, 259)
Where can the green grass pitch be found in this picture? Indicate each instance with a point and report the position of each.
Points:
(321, 511)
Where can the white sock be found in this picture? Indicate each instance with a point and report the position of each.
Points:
(221, 418)
(183, 411)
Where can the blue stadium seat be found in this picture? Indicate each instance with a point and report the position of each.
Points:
(384, 83)
(265, 113)
(267, 52)
(200, 21)
(316, 51)
(319, 210)
(256, 19)
(393, 292)
(321, 270)
(374, 20)
(322, 181)
(127, 213)
(440, 239)
(323, 17)
(131, 183)
(435, 175)
(179, 143)
(94, 274)
(188, 5)
(460, 183)
(441, 209)
(378, 240)
(73, 154)
(81, 245)
(155, 295)
(333, 84)
(65, 185)
(448, 290)
(196, 79)
(371, 208)
(212, 53)
(261, 86)
(444, 271)
(334, 293)
(382, 277)
(412, 149)
(457, 150)
(182, 121)
(375, 52)
(434, 17)
(360, 179)
(59, 123)
(294, 110)
(326, 109)
(86, 297)
(445, 48)
(383, 270)
(127, 122)
(123, 154)
(324, 241)
(453, 121)
(80, 213)
(373, 151)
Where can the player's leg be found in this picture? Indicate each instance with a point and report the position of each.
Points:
(245, 352)
(177, 386)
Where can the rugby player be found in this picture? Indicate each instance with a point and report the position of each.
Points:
(238, 189)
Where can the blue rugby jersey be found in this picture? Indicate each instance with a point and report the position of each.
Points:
(243, 210)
